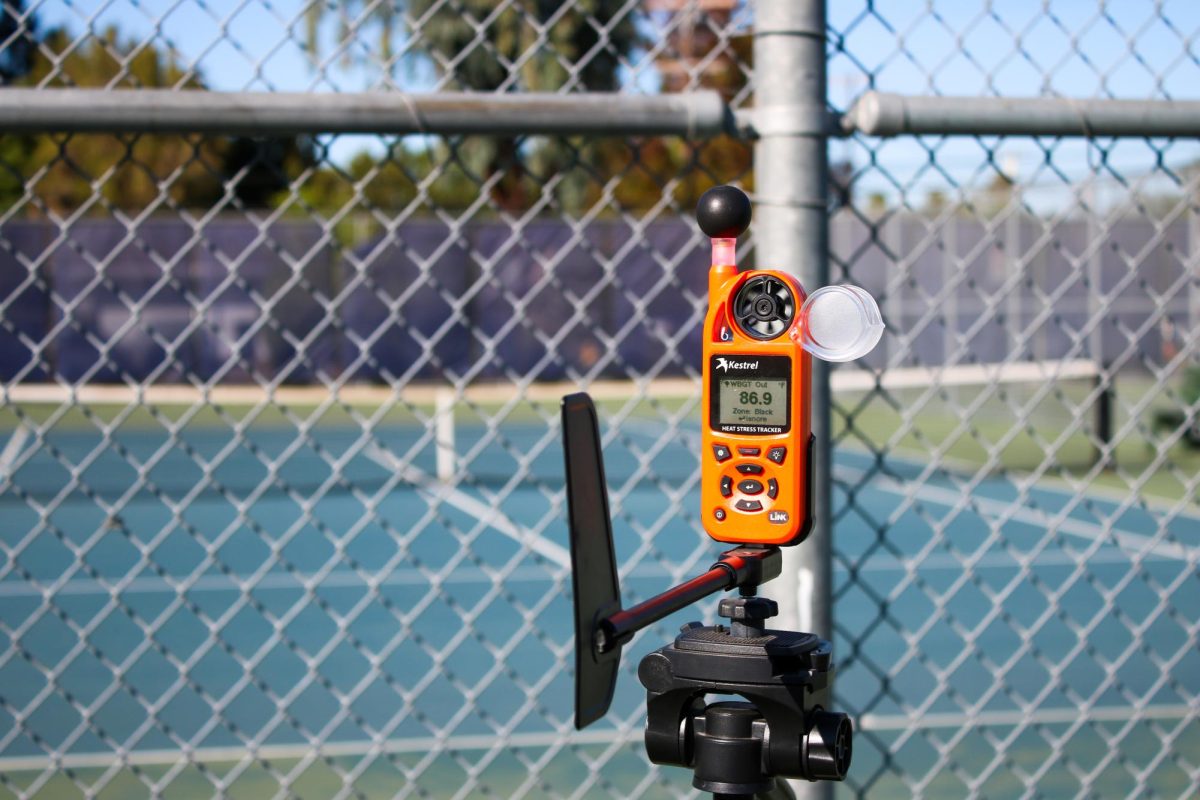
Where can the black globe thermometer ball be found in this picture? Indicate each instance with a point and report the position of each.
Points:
(723, 212)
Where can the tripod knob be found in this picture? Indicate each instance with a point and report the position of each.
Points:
(747, 614)
(828, 746)
(723, 212)
(751, 608)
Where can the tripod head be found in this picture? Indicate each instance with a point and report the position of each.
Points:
(759, 333)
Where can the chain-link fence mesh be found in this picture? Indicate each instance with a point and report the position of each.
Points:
(281, 480)
(1016, 574)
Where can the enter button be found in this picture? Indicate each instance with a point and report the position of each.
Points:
(750, 486)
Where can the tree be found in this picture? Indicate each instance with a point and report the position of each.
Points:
(61, 172)
(527, 45)
(18, 40)
(935, 204)
(475, 44)
(134, 171)
(263, 168)
(699, 56)
(450, 32)
(877, 205)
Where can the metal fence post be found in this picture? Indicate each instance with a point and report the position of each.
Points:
(791, 234)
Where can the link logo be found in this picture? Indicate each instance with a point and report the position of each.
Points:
(778, 517)
(726, 365)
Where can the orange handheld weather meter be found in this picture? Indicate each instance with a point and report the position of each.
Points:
(758, 334)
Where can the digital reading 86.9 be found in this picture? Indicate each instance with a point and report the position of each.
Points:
(752, 401)
(751, 398)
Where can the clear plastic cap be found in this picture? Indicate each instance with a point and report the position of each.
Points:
(840, 323)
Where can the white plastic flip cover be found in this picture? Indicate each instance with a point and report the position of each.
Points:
(840, 323)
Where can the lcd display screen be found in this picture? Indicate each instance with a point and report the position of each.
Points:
(752, 401)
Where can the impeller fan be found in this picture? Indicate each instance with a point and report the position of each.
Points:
(764, 307)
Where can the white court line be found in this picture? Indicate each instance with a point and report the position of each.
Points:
(345, 578)
(999, 509)
(12, 449)
(161, 394)
(995, 509)
(287, 752)
(282, 581)
(449, 744)
(1093, 492)
(1038, 716)
(1101, 493)
(437, 491)
(558, 556)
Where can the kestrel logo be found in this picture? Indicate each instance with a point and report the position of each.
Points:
(726, 365)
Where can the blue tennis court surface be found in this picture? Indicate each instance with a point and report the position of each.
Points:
(327, 601)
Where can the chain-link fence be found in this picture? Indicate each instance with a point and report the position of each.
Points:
(280, 473)
(1017, 612)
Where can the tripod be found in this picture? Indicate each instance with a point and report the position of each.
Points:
(736, 749)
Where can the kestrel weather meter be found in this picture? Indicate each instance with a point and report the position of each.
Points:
(760, 334)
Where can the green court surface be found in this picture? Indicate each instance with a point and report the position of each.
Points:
(277, 581)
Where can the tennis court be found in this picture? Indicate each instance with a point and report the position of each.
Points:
(209, 599)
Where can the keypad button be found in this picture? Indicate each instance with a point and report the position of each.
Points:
(750, 486)
(748, 451)
(721, 452)
(748, 505)
(719, 514)
(750, 469)
(772, 488)
(726, 486)
(777, 454)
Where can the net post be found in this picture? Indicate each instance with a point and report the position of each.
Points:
(443, 414)
(1105, 391)
(1094, 277)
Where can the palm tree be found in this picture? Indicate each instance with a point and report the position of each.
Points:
(482, 46)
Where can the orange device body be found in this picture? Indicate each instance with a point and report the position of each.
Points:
(756, 445)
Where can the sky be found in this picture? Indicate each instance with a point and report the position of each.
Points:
(1134, 49)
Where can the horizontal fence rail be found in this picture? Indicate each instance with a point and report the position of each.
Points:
(885, 114)
(693, 115)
